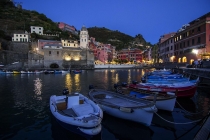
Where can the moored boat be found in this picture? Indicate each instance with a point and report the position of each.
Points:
(2, 72)
(163, 101)
(123, 106)
(77, 113)
(181, 89)
(77, 71)
(16, 72)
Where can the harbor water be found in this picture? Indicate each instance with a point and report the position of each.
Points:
(25, 113)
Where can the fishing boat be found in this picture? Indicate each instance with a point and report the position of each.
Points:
(77, 113)
(16, 72)
(77, 71)
(163, 101)
(2, 72)
(181, 89)
(124, 107)
(48, 72)
(57, 72)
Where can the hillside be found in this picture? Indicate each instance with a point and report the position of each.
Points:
(14, 19)
(116, 38)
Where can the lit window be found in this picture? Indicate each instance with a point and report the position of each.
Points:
(180, 37)
(187, 33)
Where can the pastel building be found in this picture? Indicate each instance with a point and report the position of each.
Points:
(37, 30)
(65, 27)
(166, 48)
(192, 40)
(130, 54)
(69, 43)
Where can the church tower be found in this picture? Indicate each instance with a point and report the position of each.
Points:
(84, 37)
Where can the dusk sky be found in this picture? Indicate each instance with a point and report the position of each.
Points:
(151, 18)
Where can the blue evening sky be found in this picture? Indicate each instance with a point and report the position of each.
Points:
(151, 18)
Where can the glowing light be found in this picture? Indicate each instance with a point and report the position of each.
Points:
(67, 58)
(76, 58)
(195, 51)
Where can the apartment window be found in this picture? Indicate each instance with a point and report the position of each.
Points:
(188, 43)
(199, 40)
(171, 40)
(180, 45)
(199, 29)
(20, 35)
(192, 41)
(16, 39)
(85, 40)
(192, 31)
(24, 35)
(180, 37)
(40, 32)
(16, 35)
(64, 44)
(171, 47)
(188, 33)
(183, 44)
(175, 39)
(33, 27)
(49, 52)
(57, 52)
(39, 28)
(74, 45)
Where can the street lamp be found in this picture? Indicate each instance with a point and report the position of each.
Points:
(195, 51)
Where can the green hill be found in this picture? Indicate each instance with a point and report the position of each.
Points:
(14, 19)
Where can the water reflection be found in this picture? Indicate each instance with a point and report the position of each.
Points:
(38, 86)
(68, 81)
(119, 129)
(60, 133)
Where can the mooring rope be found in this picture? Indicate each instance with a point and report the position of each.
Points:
(175, 122)
(188, 111)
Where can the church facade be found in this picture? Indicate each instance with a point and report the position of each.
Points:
(68, 53)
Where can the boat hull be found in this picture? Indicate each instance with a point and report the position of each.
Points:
(166, 103)
(187, 91)
(85, 132)
(140, 115)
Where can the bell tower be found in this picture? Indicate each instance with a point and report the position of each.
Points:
(84, 37)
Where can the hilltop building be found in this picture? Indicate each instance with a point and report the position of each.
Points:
(65, 27)
(37, 30)
(22, 37)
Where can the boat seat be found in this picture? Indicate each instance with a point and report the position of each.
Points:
(83, 109)
(69, 112)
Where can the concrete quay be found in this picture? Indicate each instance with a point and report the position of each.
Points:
(204, 132)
